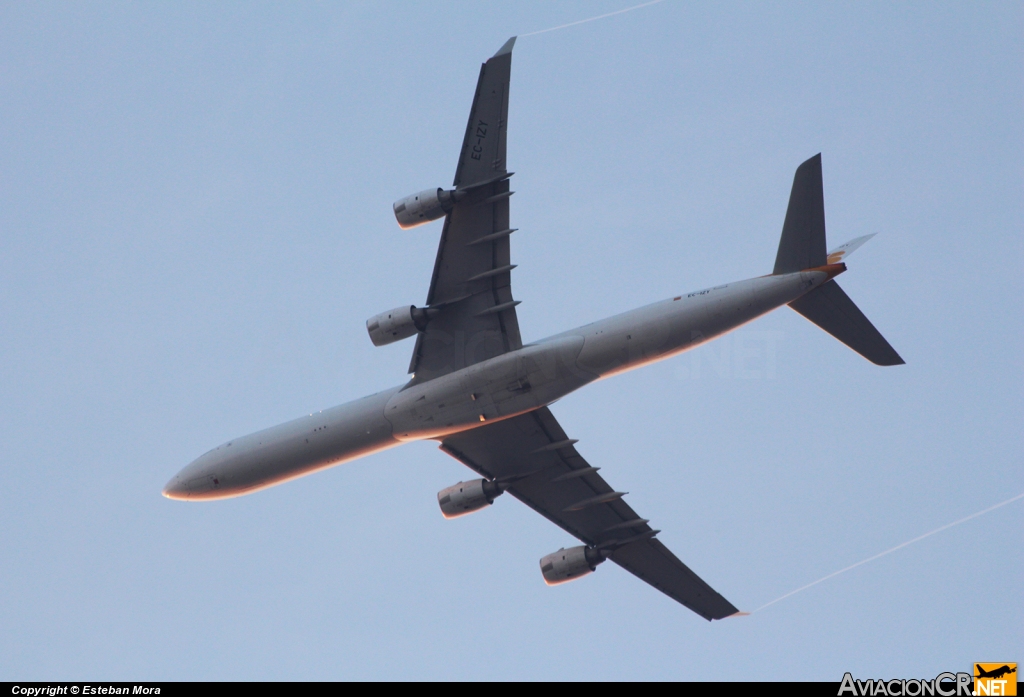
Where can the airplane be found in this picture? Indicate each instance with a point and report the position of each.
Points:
(483, 394)
(995, 673)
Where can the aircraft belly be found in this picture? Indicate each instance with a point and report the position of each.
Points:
(642, 336)
(739, 303)
(287, 451)
(667, 328)
(495, 389)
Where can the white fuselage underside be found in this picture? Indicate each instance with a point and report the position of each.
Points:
(501, 387)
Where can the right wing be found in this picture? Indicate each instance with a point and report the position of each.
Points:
(471, 284)
(548, 475)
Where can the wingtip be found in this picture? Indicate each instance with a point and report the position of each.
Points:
(810, 162)
(737, 614)
(889, 361)
(505, 48)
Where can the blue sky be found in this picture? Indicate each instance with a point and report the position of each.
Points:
(195, 223)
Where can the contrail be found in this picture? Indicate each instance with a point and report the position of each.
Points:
(592, 19)
(897, 547)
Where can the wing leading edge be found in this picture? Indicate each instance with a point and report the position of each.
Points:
(471, 283)
(549, 475)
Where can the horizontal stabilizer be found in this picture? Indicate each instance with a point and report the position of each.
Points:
(832, 310)
(840, 253)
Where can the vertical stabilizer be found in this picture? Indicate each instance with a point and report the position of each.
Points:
(802, 245)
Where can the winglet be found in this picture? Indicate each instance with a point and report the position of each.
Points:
(506, 48)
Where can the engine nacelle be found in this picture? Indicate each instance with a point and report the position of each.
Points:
(466, 497)
(569, 564)
(400, 323)
(425, 206)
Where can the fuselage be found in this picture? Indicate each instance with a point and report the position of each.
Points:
(499, 388)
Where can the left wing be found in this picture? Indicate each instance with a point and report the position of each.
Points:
(547, 474)
(471, 284)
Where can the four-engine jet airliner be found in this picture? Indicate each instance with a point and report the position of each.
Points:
(484, 394)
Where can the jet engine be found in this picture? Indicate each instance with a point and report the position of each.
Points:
(466, 497)
(425, 206)
(400, 323)
(569, 564)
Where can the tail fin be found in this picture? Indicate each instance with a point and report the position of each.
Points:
(802, 246)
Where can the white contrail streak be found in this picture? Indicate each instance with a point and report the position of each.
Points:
(897, 547)
(592, 19)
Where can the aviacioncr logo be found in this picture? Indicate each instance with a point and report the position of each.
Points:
(943, 685)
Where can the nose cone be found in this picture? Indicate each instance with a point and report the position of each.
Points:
(199, 481)
(176, 489)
